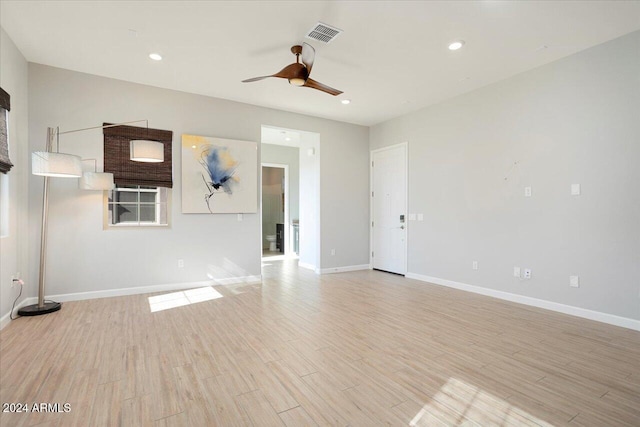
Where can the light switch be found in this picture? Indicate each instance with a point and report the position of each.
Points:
(420, 217)
(574, 281)
(239, 217)
(516, 271)
(527, 191)
(474, 265)
(575, 189)
(412, 217)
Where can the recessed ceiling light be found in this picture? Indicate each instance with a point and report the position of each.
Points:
(287, 139)
(155, 56)
(456, 45)
(346, 101)
(193, 146)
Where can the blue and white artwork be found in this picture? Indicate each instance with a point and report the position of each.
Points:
(219, 175)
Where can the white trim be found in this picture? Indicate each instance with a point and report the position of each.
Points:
(404, 144)
(345, 269)
(79, 296)
(307, 266)
(598, 316)
(6, 319)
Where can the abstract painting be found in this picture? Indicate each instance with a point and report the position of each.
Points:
(219, 175)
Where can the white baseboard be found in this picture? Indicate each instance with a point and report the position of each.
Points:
(307, 266)
(78, 296)
(345, 269)
(534, 302)
(6, 319)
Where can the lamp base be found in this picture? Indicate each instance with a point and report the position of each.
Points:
(34, 310)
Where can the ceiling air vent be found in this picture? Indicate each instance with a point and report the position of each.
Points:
(323, 32)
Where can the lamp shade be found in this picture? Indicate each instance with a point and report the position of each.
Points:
(142, 150)
(59, 165)
(96, 181)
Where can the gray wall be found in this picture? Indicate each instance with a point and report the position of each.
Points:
(13, 246)
(84, 257)
(576, 120)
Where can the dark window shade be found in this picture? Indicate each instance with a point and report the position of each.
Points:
(5, 106)
(128, 172)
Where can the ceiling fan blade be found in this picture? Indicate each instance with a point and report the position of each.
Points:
(308, 55)
(317, 85)
(255, 79)
(287, 72)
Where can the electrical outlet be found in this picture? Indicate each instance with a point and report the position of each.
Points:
(574, 281)
(333, 252)
(14, 279)
(474, 265)
(180, 263)
(527, 273)
(516, 272)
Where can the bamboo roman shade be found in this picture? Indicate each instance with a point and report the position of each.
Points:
(127, 172)
(5, 106)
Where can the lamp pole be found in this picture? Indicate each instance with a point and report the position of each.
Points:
(41, 307)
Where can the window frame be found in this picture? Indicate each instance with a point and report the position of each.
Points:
(108, 225)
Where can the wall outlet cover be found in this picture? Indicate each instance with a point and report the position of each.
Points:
(527, 191)
(574, 281)
(420, 217)
(412, 217)
(516, 271)
(527, 273)
(575, 189)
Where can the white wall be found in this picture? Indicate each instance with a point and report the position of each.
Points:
(13, 247)
(573, 121)
(310, 227)
(83, 257)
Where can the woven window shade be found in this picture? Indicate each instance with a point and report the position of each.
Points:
(5, 106)
(128, 172)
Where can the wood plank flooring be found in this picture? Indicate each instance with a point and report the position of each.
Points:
(361, 349)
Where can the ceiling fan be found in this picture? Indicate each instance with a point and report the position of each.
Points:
(297, 73)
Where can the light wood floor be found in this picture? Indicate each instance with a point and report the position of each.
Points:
(360, 349)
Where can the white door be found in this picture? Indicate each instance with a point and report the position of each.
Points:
(389, 206)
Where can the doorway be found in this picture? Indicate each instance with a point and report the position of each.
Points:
(275, 209)
(389, 209)
(300, 151)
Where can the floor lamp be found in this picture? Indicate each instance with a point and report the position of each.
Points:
(53, 164)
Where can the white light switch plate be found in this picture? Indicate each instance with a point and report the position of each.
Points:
(239, 217)
(574, 281)
(412, 217)
(527, 191)
(575, 189)
(420, 217)
(516, 271)
(474, 265)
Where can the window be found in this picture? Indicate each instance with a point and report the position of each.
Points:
(137, 206)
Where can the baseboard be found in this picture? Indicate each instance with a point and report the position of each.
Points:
(6, 319)
(534, 302)
(79, 296)
(344, 269)
(307, 266)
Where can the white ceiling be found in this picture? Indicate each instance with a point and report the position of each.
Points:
(391, 59)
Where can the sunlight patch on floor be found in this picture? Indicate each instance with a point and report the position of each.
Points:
(463, 402)
(182, 298)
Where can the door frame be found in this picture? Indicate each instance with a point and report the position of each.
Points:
(287, 243)
(404, 144)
